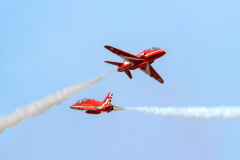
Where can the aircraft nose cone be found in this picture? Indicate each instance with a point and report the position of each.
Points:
(72, 106)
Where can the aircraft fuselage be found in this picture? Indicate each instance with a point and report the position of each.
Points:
(147, 56)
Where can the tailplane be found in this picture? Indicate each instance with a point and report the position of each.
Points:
(114, 63)
(108, 99)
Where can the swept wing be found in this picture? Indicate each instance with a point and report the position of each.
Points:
(124, 55)
(149, 70)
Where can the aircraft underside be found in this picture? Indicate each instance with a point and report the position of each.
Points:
(93, 112)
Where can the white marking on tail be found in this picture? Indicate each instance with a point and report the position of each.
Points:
(108, 99)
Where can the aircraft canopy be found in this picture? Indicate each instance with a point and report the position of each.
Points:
(152, 48)
(82, 100)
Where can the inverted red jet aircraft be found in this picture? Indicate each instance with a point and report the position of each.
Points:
(95, 107)
(142, 61)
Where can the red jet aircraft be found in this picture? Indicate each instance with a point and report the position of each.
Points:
(95, 107)
(142, 61)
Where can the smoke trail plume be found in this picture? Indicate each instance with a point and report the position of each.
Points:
(40, 106)
(192, 112)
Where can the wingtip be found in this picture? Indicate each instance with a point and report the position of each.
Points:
(107, 46)
(110, 48)
(160, 80)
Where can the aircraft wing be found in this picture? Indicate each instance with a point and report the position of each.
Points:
(124, 55)
(148, 69)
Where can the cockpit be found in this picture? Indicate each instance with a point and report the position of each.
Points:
(152, 48)
(82, 100)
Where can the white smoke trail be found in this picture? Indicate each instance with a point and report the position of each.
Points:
(40, 106)
(192, 112)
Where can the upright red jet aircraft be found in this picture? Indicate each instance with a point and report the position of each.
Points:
(142, 61)
(95, 107)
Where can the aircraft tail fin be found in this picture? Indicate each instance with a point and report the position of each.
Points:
(108, 99)
(114, 63)
(129, 74)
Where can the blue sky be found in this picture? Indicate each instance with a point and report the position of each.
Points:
(46, 46)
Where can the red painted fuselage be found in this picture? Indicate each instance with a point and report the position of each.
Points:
(142, 61)
(147, 56)
(92, 106)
